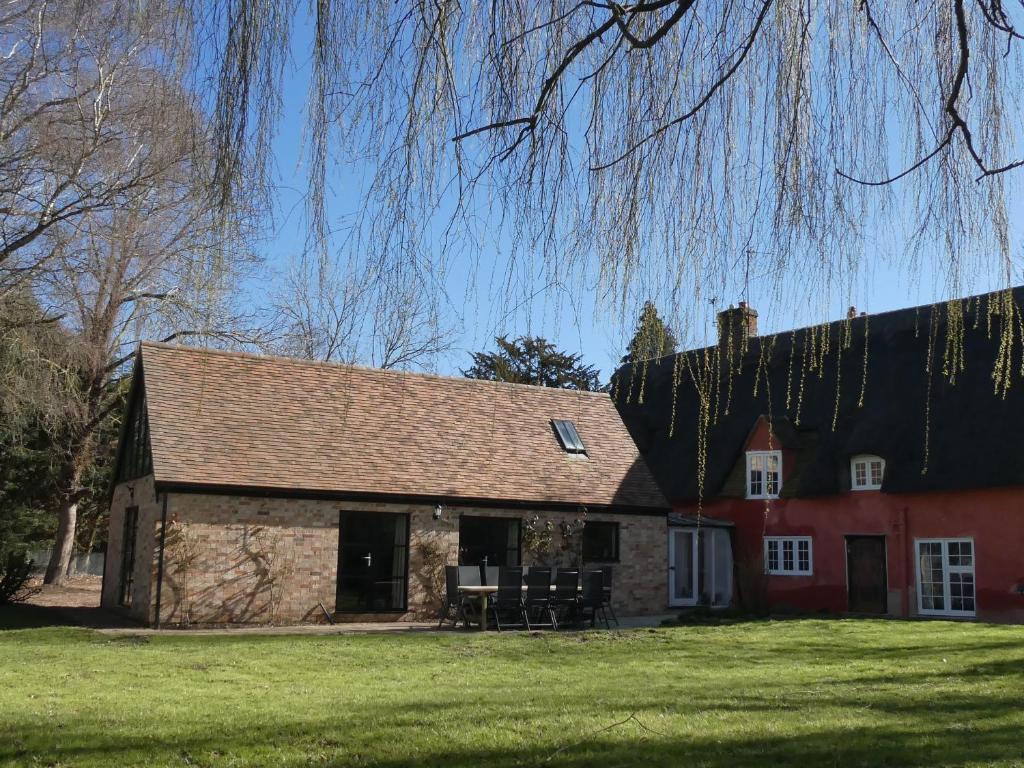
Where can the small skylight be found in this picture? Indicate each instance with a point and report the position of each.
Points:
(568, 436)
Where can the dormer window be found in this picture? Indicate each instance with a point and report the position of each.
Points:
(569, 437)
(866, 472)
(764, 474)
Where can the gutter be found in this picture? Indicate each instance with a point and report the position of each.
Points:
(160, 562)
(404, 498)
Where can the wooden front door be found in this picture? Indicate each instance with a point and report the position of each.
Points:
(865, 574)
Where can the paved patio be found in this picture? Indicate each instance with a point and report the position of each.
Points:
(77, 604)
(345, 628)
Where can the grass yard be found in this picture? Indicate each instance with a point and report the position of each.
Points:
(801, 692)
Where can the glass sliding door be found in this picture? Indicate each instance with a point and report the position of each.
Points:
(700, 567)
(716, 568)
(682, 566)
(373, 562)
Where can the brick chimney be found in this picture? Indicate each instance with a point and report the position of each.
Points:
(737, 323)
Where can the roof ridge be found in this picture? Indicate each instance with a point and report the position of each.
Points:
(831, 323)
(265, 358)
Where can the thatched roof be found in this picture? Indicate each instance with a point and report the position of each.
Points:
(969, 432)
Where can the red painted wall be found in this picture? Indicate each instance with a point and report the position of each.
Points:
(993, 518)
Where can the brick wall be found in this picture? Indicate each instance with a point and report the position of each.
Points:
(640, 577)
(234, 559)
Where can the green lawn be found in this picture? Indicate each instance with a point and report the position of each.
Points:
(800, 692)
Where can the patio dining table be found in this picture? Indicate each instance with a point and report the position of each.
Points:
(484, 592)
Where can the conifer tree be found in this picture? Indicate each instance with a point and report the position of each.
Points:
(533, 360)
(652, 339)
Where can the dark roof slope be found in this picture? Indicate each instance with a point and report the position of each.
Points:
(969, 433)
(229, 419)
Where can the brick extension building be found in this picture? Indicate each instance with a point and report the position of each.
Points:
(253, 488)
(853, 474)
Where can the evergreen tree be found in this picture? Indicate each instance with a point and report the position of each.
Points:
(652, 340)
(533, 360)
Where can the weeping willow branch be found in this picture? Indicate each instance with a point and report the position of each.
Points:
(671, 149)
(739, 59)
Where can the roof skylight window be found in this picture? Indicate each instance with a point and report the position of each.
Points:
(568, 436)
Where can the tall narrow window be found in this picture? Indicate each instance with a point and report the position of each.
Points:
(764, 474)
(866, 472)
(945, 577)
(129, 534)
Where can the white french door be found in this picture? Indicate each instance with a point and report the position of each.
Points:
(699, 567)
(716, 581)
(682, 566)
(945, 577)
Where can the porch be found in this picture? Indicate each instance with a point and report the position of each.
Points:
(700, 561)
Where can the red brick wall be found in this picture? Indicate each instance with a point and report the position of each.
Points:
(994, 518)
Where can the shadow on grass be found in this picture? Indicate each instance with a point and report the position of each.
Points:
(23, 616)
(390, 737)
(700, 697)
(28, 616)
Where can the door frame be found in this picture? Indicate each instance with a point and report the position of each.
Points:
(405, 571)
(673, 601)
(885, 567)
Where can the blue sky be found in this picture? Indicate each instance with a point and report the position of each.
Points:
(575, 318)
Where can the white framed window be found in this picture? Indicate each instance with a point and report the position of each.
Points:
(788, 555)
(866, 472)
(764, 474)
(945, 577)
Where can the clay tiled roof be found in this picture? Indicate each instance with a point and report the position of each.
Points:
(229, 419)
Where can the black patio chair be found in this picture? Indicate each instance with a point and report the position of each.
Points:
(469, 576)
(489, 575)
(538, 598)
(592, 598)
(566, 600)
(509, 598)
(456, 604)
(607, 606)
